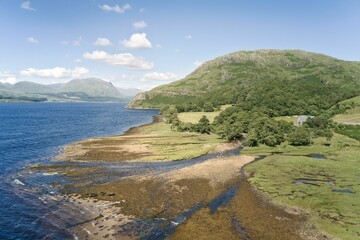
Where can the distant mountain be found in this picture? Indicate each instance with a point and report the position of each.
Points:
(89, 89)
(92, 87)
(129, 92)
(283, 82)
(30, 87)
(5, 85)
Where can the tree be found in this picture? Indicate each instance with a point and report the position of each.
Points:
(170, 113)
(208, 107)
(300, 136)
(203, 126)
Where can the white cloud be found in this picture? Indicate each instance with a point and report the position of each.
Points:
(158, 46)
(32, 40)
(6, 77)
(64, 42)
(125, 59)
(188, 37)
(159, 76)
(137, 40)
(57, 72)
(141, 10)
(115, 8)
(78, 60)
(26, 5)
(102, 42)
(10, 80)
(140, 24)
(198, 63)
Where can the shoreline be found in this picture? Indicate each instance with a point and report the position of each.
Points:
(200, 182)
(103, 217)
(154, 141)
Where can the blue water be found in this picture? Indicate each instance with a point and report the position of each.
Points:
(34, 133)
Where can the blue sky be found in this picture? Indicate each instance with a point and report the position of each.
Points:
(142, 43)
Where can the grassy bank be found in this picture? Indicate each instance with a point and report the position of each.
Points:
(327, 189)
(152, 142)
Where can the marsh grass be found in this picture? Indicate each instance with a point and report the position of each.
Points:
(334, 212)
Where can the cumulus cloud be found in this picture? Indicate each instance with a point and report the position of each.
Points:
(26, 5)
(157, 76)
(6, 77)
(140, 25)
(188, 37)
(32, 40)
(137, 40)
(115, 8)
(102, 42)
(124, 59)
(57, 72)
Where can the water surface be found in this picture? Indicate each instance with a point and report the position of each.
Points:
(34, 133)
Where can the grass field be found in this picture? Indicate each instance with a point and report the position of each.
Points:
(327, 189)
(351, 117)
(166, 144)
(194, 117)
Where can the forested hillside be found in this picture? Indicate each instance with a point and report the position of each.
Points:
(280, 82)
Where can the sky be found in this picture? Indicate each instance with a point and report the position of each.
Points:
(143, 44)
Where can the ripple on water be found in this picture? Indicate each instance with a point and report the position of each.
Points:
(32, 133)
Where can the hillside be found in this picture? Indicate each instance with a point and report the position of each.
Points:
(90, 89)
(285, 82)
(351, 115)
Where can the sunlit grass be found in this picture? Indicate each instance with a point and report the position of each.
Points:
(194, 117)
(351, 116)
(166, 144)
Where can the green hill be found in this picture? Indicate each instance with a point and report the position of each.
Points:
(284, 82)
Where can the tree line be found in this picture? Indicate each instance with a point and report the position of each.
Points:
(253, 127)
